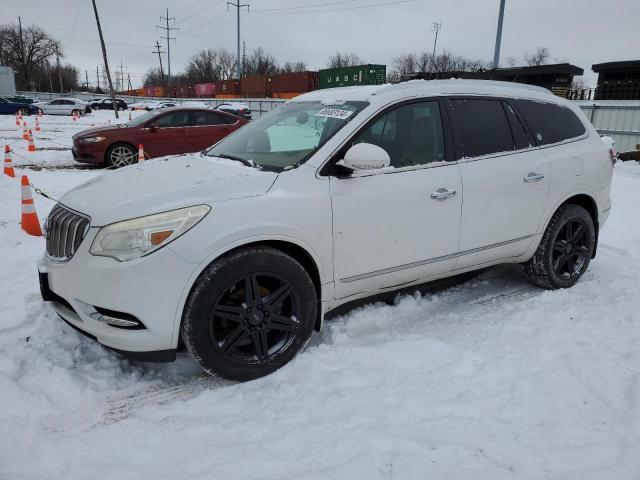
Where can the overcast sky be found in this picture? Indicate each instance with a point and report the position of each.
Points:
(577, 31)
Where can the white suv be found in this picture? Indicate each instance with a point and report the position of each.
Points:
(339, 195)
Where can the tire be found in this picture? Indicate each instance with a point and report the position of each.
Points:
(232, 323)
(120, 155)
(120, 109)
(565, 250)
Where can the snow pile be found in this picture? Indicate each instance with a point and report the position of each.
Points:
(492, 379)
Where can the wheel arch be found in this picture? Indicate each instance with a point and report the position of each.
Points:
(295, 250)
(587, 202)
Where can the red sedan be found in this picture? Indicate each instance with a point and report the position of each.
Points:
(166, 132)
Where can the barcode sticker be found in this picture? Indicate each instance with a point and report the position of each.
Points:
(334, 113)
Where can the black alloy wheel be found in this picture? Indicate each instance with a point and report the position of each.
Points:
(565, 250)
(249, 313)
(255, 319)
(571, 249)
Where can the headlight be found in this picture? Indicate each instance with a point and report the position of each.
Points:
(91, 139)
(140, 236)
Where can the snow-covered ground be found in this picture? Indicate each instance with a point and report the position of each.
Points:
(491, 379)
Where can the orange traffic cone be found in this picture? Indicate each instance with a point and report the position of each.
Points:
(140, 153)
(17, 120)
(8, 164)
(32, 146)
(74, 116)
(37, 125)
(30, 222)
(129, 116)
(25, 132)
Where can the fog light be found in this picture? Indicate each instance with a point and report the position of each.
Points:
(116, 319)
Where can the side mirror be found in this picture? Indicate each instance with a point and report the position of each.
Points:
(365, 156)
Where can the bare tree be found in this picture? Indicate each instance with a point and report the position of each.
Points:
(428, 66)
(341, 59)
(290, 67)
(260, 63)
(511, 61)
(26, 50)
(539, 57)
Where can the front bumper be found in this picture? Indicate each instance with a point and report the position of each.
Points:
(150, 288)
(88, 152)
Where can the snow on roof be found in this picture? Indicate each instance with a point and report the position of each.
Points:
(426, 88)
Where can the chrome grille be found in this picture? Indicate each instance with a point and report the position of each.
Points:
(65, 230)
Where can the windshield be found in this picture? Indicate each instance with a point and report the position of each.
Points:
(287, 136)
(142, 119)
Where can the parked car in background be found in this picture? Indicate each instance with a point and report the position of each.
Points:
(162, 132)
(337, 196)
(107, 104)
(64, 106)
(239, 109)
(143, 105)
(9, 107)
(159, 105)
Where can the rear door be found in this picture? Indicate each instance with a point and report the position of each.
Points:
(207, 128)
(167, 134)
(504, 177)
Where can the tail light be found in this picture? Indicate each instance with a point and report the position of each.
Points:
(613, 156)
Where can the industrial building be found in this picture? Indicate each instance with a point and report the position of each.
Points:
(618, 80)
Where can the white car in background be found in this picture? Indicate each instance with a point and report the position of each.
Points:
(64, 106)
(337, 196)
(236, 108)
(144, 105)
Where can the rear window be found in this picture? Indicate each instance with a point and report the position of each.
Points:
(481, 127)
(550, 123)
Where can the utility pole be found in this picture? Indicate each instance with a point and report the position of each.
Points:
(435, 28)
(167, 30)
(244, 57)
(157, 50)
(98, 76)
(129, 82)
(22, 62)
(106, 62)
(496, 52)
(86, 77)
(238, 6)
(59, 68)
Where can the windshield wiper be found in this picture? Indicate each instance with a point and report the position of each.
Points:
(238, 159)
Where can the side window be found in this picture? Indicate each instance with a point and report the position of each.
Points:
(550, 123)
(228, 119)
(202, 118)
(173, 119)
(56, 102)
(482, 127)
(411, 134)
(520, 136)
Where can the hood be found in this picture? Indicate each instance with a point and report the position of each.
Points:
(165, 184)
(90, 132)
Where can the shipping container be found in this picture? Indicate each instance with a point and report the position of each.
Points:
(286, 95)
(158, 92)
(204, 89)
(297, 82)
(182, 91)
(228, 87)
(254, 87)
(353, 76)
(142, 92)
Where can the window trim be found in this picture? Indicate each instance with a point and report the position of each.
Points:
(326, 169)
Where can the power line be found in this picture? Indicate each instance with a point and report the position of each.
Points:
(304, 6)
(356, 7)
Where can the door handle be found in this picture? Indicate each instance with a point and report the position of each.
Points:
(442, 194)
(533, 177)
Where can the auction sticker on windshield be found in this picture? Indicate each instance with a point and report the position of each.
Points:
(334, 113)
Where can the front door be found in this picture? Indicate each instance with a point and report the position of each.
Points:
(399, 225)
(208, 128)
(167, 134)
(505, 178)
